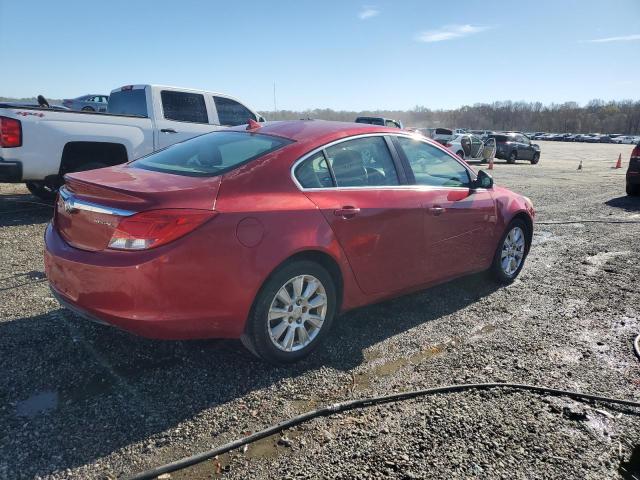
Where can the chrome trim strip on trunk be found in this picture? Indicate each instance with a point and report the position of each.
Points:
(72, 204)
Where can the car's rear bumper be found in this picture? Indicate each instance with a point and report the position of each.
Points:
(10, 171)
(633, 178)
(155, 294)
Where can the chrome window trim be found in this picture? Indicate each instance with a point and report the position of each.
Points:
(418, 137)
(71, 203)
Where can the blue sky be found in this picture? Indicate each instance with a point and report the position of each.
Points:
(336, 54)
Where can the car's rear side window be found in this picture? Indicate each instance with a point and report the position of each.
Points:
(232, 113)
(128, 102)
(211, 154)
(431, 166)
(314, 172)
(360, 162)
(184, 106)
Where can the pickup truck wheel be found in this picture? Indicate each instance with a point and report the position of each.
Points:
(42, 191)
(88, 109)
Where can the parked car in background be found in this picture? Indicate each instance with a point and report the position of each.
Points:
(380, 121)
(633, 172)
(179, 244)
(515, 146)
(472, 147)
(440, 135)
(46, 144)
(622, 139)
(481, 133)
(87, 103)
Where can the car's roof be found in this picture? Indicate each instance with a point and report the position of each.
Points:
(309, 130)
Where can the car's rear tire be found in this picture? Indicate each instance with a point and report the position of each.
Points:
(88, 109)
(42, 191)
(513, 156)
(633, 190)
(292, 313)
(511, 252)
(535, 159)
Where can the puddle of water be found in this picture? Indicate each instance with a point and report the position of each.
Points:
(39, 403)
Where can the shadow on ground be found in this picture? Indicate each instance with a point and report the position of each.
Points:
(627, 203)
(63, 377)
(23, 209)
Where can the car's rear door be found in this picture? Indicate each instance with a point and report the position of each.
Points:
(376, 217)
(459, 222)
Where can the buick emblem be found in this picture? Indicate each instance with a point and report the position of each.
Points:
(68, 206)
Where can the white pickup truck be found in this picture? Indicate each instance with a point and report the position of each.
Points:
(38, 145)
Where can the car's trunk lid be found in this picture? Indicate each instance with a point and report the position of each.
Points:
(91, 204)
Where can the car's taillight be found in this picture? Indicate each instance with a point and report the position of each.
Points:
(635, 152)
(10, 132)
(156, 227)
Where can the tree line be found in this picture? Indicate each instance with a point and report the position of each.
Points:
(597, 116)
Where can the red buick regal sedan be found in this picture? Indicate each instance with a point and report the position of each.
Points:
(265, 232)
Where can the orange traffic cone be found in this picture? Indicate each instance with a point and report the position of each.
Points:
(490, 164)
(619, 162)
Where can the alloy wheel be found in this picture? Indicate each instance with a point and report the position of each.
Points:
(297, 313)
(512, 251)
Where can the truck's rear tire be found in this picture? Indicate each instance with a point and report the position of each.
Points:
(43, 191)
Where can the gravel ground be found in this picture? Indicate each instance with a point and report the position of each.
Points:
(83, 401)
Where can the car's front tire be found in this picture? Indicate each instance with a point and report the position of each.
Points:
(535, 159)
(292, 313)
(511, 252)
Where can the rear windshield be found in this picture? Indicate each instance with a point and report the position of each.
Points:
(210, 154)
(128, 102)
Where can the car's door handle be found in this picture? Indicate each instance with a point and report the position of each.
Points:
(168, 130)
(346, 212)
(436, 210)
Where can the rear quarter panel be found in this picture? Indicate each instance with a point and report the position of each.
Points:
(269, 220)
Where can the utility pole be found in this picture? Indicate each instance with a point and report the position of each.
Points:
(275, 107)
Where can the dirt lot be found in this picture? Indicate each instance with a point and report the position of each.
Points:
(83, 401)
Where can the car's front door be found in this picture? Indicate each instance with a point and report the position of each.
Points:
(459, 222)
(377, 219)
(525, 150)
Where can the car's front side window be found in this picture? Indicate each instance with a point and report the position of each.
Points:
(362, 162)
(431, 166)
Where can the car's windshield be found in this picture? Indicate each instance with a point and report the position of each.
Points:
(211, 154)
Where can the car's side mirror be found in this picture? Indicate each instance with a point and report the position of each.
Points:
(483, 180)
(261, 118)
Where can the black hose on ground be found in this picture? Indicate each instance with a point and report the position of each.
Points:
(569, 222)
(366, 402)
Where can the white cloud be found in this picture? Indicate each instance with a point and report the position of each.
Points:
(626, 38)
(449, 32)
(368, 12)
